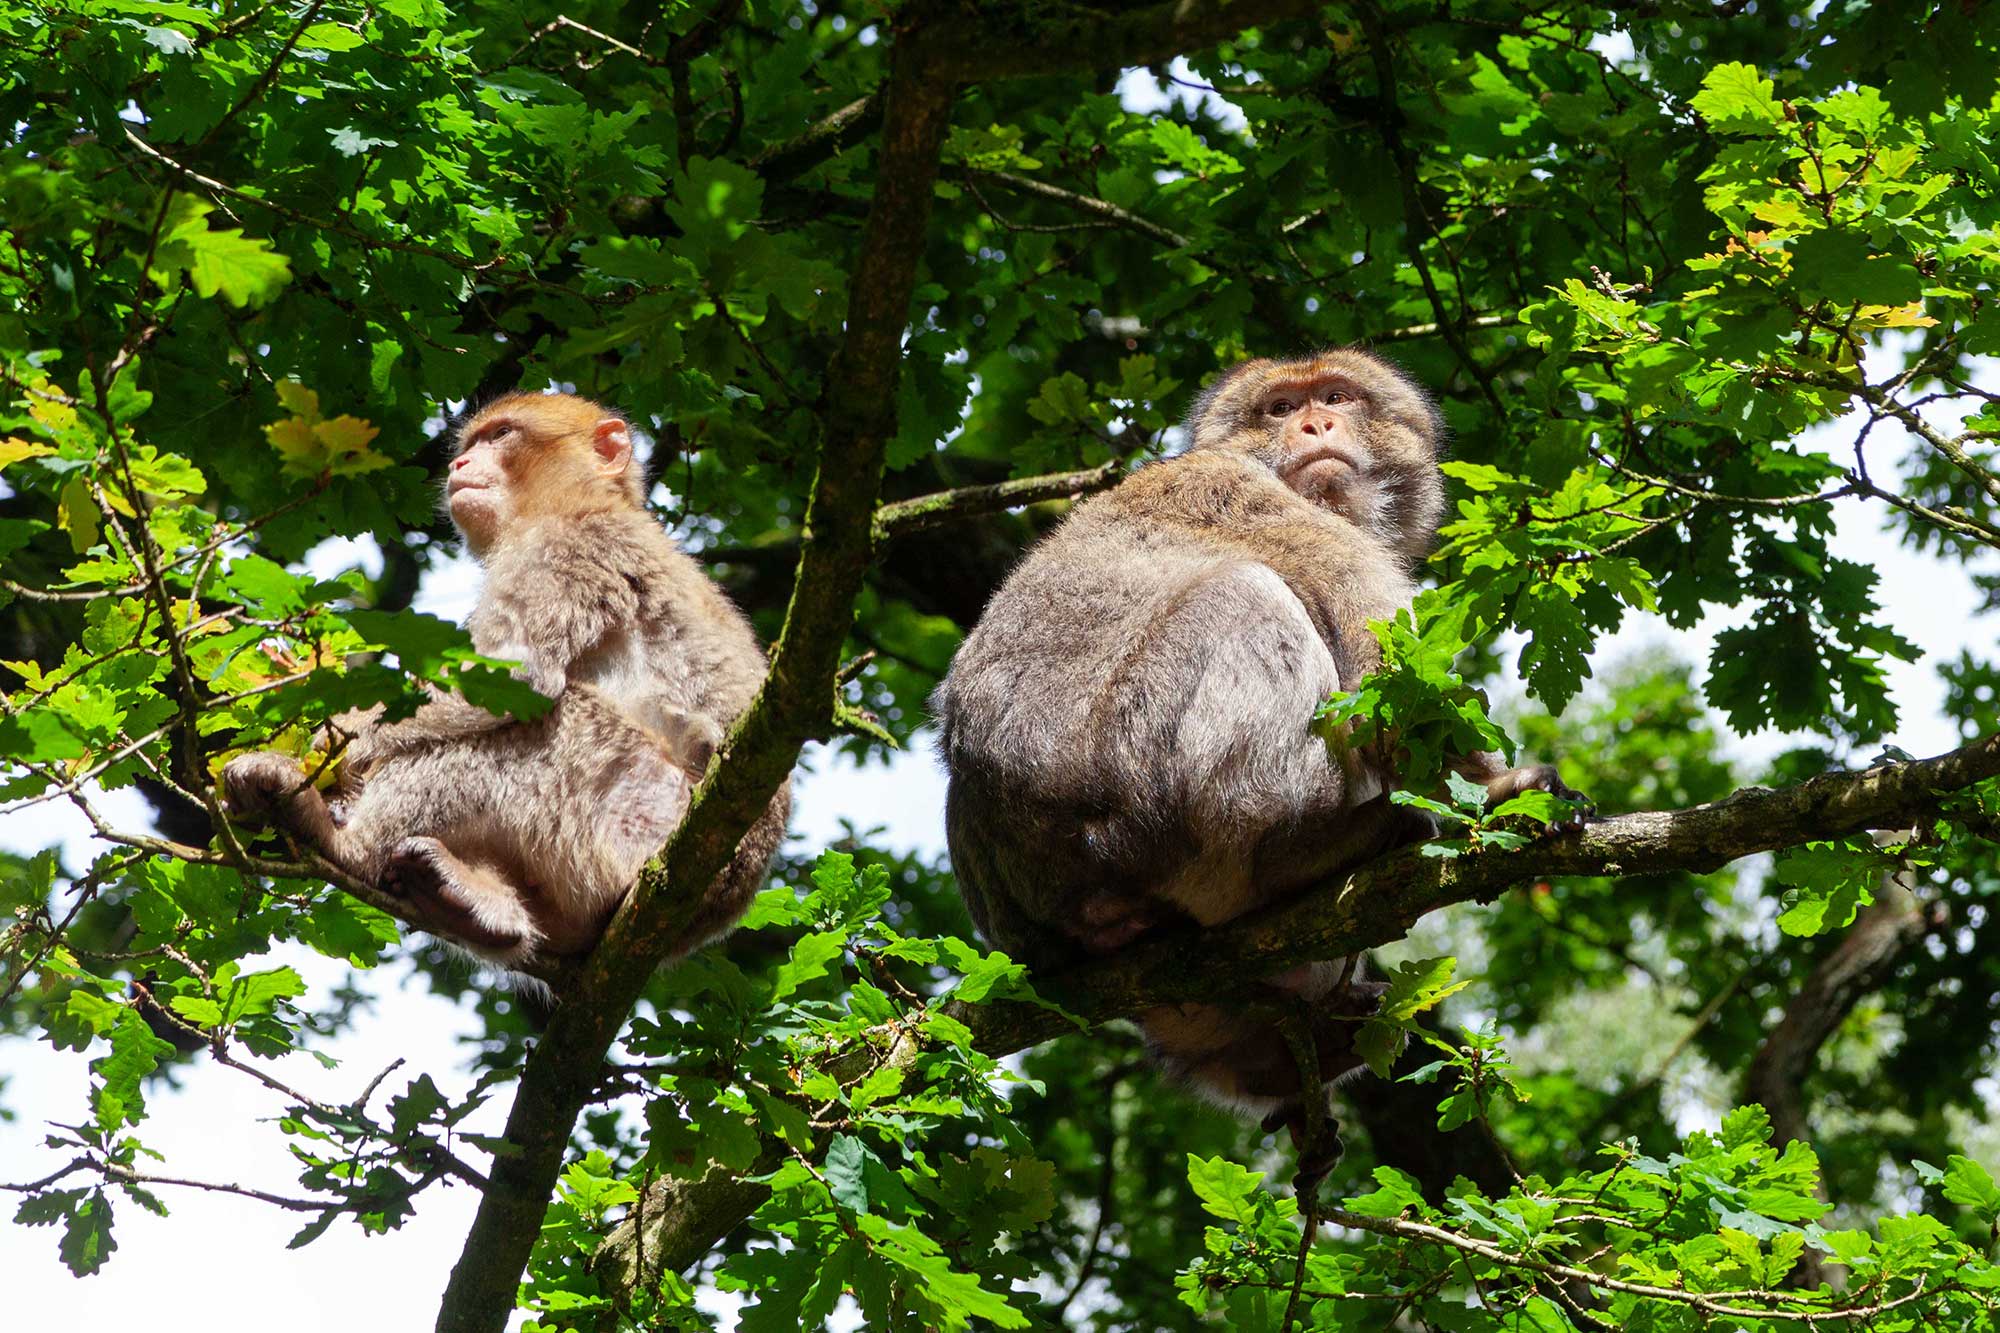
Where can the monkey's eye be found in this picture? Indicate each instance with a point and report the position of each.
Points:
(1334, 396)
(1280, 407)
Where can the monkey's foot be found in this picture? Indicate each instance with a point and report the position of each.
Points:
(434, 883)
(255, 787)
(1543, 777)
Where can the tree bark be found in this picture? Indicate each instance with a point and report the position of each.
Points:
(793, 706)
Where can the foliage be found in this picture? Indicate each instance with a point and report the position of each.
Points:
(1688, 282)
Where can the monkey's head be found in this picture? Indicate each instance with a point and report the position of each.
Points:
(1344, 429)
(527, 455)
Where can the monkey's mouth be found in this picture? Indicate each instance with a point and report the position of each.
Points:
(1321, 469)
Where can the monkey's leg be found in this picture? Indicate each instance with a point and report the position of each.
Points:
(1329, 839)
(1242, 1057)
(449, 896)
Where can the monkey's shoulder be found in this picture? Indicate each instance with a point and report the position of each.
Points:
(608, 543)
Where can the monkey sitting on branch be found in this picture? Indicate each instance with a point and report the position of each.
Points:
(1128, 731)
(515, 839)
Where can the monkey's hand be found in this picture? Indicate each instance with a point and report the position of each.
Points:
(1504, 784)
(691, 738)
(269, 788)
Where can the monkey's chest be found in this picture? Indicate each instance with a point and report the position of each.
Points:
(636, 673)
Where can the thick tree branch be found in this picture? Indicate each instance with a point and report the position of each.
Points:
(1381, 901)
(792, 707)
(1852, 969)
(1858, 964)
(1376, 904)
(839, 130)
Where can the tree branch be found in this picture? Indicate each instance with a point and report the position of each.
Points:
(1855, 966)
(932, 511)
(1381, 900)
(1373, 905)
(1102, 209)
(793, 706)
(840, 129)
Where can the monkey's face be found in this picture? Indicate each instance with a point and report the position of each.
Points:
(479, 485)
(1344, 430)
(528, 455)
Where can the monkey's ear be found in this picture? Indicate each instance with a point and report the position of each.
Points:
(611, 441)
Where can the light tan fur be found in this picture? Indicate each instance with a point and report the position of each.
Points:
(1128, 730)
(517, 840)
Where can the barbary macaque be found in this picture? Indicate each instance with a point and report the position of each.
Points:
(1128, 729)
(518, 839)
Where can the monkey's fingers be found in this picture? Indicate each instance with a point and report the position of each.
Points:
(255, 787)
(1317, 1152)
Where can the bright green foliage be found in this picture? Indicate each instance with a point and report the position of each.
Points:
(252, 258)
(1711, 1232)
(859, 1090)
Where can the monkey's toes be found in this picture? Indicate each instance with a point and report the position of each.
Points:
(412, 869)
(1317, 1153)
(254, 786)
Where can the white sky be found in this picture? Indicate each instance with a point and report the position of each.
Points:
(232, 1251)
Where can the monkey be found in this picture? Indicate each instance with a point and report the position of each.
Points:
(1127, 731)
(516, 840)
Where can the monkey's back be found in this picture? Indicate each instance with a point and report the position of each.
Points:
(1127, 724)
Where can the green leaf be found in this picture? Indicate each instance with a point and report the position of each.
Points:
(809, 960)
(1414, 987)
(244, 270)
(1839, 266)
(1967, 1182)
(1735, 98)
(846, 1161)
(135, 1053)
(1224, 1188)
(86, 1242)
(1829, 884)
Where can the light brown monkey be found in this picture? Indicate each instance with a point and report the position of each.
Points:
(519, 839)
(1128, 730)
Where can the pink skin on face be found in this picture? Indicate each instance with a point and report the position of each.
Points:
(476, 488)
(1321, 457)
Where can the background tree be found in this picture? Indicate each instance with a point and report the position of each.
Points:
(889, 283)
